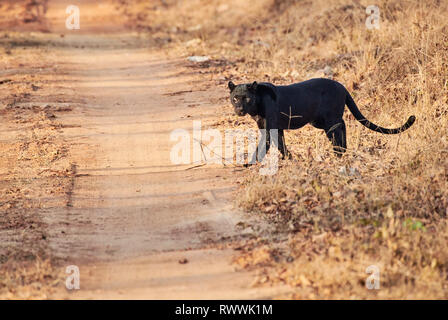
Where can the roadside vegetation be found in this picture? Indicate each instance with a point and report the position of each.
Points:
(34, 163)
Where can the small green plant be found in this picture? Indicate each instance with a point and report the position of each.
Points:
(413, 225)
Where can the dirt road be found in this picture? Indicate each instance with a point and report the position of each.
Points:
(136, 225)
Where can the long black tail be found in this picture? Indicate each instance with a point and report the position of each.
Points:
(366, 123)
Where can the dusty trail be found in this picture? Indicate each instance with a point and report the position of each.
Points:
(132, 215)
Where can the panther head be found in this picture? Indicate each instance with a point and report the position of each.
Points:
(244, 98)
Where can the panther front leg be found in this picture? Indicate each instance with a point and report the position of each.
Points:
(281, 145)
(263, 143)
(278, 139)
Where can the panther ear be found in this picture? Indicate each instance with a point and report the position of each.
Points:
(267, 89)
(231, 86)
(253, 87)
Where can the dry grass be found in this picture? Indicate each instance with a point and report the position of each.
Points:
(391, 211)
(35, 170)
(36, 279)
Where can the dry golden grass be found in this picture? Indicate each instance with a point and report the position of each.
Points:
(32, 280)
(35, 168)
(385, 203)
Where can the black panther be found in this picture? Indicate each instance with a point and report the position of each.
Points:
(320, 102)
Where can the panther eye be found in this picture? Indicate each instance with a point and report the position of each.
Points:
(235, 99)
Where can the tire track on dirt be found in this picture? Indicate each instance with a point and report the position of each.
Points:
(138, 226)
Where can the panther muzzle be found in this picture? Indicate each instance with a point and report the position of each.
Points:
(240, 112)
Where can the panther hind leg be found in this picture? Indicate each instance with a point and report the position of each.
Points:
(336, 133)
